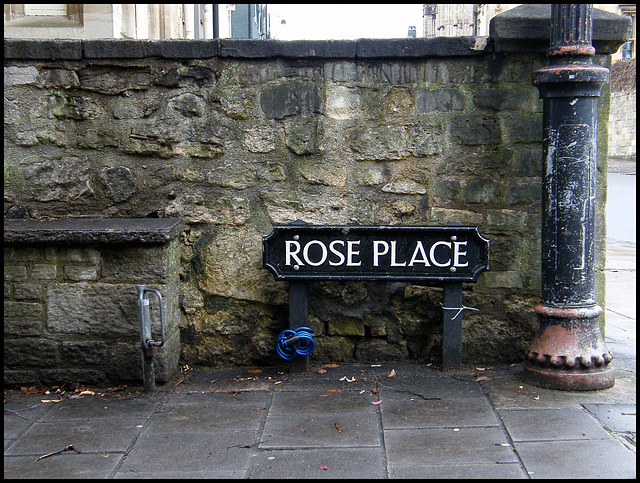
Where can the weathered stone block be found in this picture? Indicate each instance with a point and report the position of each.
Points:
(136, 263)
(30, 352)
(15, 76)
(378, 350)
(28, 291)
(15, 273)
(345, 326)
(444, 100)
(290, 99)
(118, 183)
(44, 271)
(79, 273)
(23, 318)
(92, 309)
(79, 353)
(484, 191)
(475, 129)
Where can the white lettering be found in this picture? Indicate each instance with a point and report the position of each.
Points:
(432, 253)
(336, 252)
(457, 253)
(377, 253)
(305, 253)
(351, 253)
(289, 254)
(424, 260)
(393, 256)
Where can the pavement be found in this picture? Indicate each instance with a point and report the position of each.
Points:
(397, 420)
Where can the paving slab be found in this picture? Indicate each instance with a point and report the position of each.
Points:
(101, 408)
(330, 463)
(451, 446)
(180, 453)
(431, 387)
(575, 460)
(458, 472)
(321, 430)
(551, 424)
(67, 465)
(403, 411)
(344, 402)
(615, 417)
(210, 412)
(103, 436)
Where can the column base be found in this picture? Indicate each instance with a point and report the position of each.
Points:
(569, 380)
(568, 351)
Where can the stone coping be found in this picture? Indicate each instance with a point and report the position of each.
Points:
(524, 29)
(92, 230)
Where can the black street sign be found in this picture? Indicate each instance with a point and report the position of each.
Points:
(377, 253)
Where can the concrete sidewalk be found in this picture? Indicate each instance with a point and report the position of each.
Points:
(352, 421)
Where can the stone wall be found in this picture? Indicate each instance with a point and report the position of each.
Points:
(622, 124)
(236, 136)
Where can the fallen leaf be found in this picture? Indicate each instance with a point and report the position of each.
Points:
(259, 409)
(87, 393)
(536, 398)
(484, 378)
(28, 392)
(254, 371)
(325, 395)
(335, 425)
(51, 400)
(332, 391)
(330, 366)
(392, 373)
(376, 403)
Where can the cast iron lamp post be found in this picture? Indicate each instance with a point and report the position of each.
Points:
(568, 351)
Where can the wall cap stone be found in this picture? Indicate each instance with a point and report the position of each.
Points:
(242, 48)
(92, 230)
(526, 29)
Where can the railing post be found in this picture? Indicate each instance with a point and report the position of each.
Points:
(568, 351)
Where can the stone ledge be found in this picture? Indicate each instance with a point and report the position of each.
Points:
(242, 48)
(92, 230)
(526, 29)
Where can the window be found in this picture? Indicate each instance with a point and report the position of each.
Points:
(43, 14)
(45, 9)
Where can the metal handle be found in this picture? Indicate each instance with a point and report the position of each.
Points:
(145, 318)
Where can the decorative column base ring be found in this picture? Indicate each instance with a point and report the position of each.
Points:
(568, 351)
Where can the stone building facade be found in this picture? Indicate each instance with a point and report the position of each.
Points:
(234, 137)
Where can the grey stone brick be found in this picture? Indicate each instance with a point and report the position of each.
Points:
(79, 273)
(43, 272)
(475, 129)
(15, 273)
(92, 309)
(30, 352)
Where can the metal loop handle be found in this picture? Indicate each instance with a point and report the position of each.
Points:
(145, 318)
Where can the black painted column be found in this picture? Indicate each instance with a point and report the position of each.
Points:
(568, 351)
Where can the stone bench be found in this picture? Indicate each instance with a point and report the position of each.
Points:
(70, 300)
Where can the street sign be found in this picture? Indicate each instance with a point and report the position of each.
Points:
(376, 253)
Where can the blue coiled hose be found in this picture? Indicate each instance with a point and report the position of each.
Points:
(299, 342)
